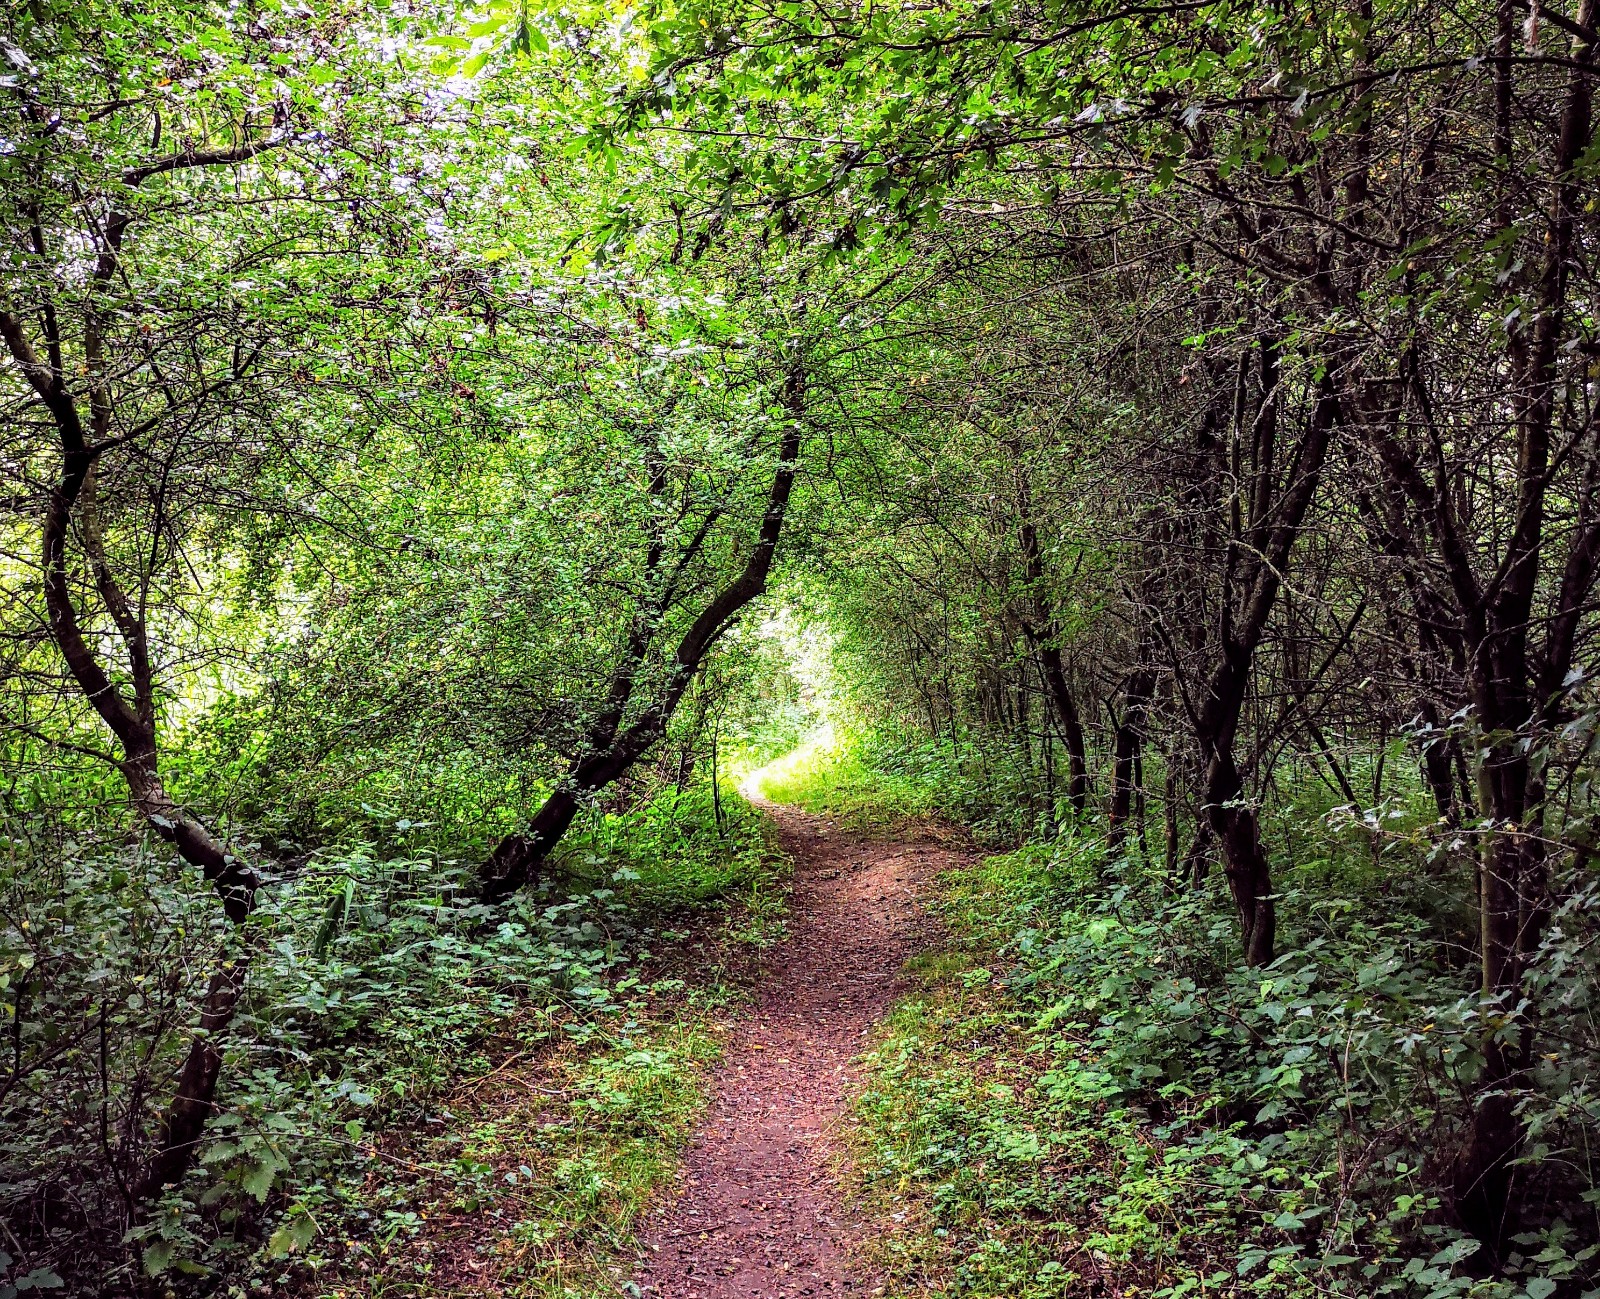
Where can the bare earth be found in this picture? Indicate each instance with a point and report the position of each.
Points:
(758, 1213)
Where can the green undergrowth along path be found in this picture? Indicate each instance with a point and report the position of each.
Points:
(540, 1170)
(525, 1167)
(420, 1086)
(1086, 1095)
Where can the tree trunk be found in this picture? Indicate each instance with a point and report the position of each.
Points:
(178, 1142)
(1436, 771)
(1043, 632)
(1273, 529)
(518, 857)
(1055, 676)
(1237, 829)
(131, 722)
(1169, 823)
(1126, 745)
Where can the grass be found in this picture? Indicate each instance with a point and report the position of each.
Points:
(834, 776)
(984, 1141)
(1085, 1096)
(528, 1177)
(542, 1183)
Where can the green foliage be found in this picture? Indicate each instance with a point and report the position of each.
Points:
(385, 487)
(389, 389)
(377, 984)
(549, 1168)
(1088, 1090)
(867, 778)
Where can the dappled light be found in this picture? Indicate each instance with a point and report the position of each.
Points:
(745, 651)
(782, 770)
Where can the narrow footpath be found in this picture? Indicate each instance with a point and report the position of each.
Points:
(758, 1213)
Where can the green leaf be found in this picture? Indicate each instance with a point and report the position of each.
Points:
(294, 1234)
(258, 1179)
(158, 1257)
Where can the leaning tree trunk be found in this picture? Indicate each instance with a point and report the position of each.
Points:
(1264, 545)
(133, 724)
(518, 857)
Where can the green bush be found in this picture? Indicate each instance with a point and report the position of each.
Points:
(376, 979)
(1088, 1088)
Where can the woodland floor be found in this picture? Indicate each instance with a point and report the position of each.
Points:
(758, 1212)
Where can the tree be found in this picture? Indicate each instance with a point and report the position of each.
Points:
(614, 741)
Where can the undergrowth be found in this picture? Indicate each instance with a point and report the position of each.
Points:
(541, 1167)
(385, 1005)
(1088, 1095)
(866, 781)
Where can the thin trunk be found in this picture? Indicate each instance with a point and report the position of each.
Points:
(716, 780)
(1514, 889)
(1262, 562)
(518, 857)
(1055, 676)
(133, 724)
(1436, 765)
(1044, 633)
(1169, 822)
(1126, 747)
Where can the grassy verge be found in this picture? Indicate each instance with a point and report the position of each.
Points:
(994, 1149)
(528, 1179)
(838, 777)
(536, 1185)
(1088, 1094)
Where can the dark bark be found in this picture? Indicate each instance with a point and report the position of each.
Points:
(1043, 632)
(72, 502)
(1127, 745)
(614, 749)
(1237, 830)
(132, 723)
(1169, 823)
(1055, 676)
(1263, 548)
(1436, 764)
(1514, 677)
(193, 1104)
(1197, 860)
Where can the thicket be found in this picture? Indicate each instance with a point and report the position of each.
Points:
(1086, 1090)
(1231, 457)
(345, 527)
(1183, 416)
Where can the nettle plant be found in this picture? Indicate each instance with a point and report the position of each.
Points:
(1323, 1095)
(380, 976)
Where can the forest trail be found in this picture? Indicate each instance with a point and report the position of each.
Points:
(758, 1214)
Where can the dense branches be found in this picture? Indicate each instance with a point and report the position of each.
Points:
(1192, 403)
(1295, 318)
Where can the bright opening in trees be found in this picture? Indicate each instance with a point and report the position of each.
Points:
(982, 613)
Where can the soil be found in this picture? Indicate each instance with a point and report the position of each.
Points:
(758, 1212)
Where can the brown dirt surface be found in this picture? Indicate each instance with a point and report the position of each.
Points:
(758, 1212)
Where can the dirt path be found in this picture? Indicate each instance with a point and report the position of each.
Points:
(758, 1214)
